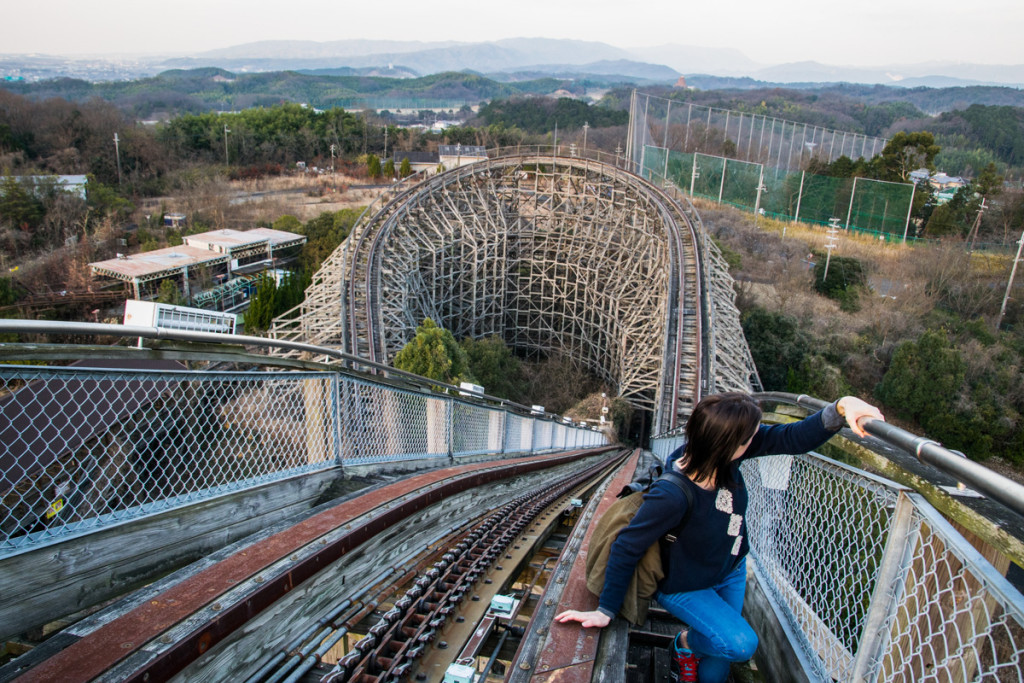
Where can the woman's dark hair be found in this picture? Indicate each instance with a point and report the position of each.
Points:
(719, 425)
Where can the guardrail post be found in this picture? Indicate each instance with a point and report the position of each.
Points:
(451, 429)
(336, 417)
(319, 433)
(896, 558)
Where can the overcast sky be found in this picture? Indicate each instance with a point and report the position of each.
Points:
(865, 33)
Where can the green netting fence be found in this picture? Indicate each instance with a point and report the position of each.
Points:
(860, 204)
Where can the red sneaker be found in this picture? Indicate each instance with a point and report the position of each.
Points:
(683, 667)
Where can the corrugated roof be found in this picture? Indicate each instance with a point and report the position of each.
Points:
(463, 150)
(163, 262)
(226, 239)
(150, 263)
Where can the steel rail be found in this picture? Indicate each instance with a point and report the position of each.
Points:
(46, 327)
(392, 645)
(111, 643)
(993, 485)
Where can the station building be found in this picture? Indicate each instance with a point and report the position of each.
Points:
(204, 263)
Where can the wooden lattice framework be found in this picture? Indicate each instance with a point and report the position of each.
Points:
(555, 255)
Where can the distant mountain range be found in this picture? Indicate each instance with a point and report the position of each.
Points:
(513, 59)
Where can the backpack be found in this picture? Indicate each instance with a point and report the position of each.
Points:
(650, 570)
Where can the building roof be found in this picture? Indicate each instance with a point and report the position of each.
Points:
(151, 265)
(208, 248)
(223, 241)
(417, 157)
(278, 238)
(943, 179)
(228, 240)
(462, 150)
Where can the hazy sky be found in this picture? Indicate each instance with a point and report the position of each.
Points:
(868, 32)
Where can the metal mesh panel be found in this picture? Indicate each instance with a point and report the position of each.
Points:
(772, 141)
(782, 194)
(542, 433)
(740, 186)
(87, 448)
(818, 531)
(382, 424)
(823, 198)
(81, 449)
(707, 177)
(476, 430)
(654, 162)
(866, 205)
(662, 447)
(881, 207)
(518, 434)
(561, 437)
(680, 168)
(956, 618)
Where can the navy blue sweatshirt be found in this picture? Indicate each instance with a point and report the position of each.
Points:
(714, 539)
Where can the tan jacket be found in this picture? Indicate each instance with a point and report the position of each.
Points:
(648, 573)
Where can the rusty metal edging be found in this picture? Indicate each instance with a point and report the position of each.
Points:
(569, 651)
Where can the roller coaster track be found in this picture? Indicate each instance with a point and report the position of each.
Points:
(399, 595)
(554, 254)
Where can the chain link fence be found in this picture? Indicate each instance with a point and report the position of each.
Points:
(84, 449)
(875, 584)
(862, 205)
(741, 135)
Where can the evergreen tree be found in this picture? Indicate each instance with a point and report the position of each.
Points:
(260, 313)
(19, 209)
(492, 363)
(904, 153)
(373, 168)
(778, 347)
(435, 354)
(168, 293)
(843, 282)
(924, 379)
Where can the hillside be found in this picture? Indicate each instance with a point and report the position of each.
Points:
(922, 335)
(211, 89)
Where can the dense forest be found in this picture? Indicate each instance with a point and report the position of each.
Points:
(544, 115)
(922, 330)
(203, 90)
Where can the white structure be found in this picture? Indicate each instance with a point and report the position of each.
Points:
(72, 184)
(166, 316)
(453, 156)
(223, 253)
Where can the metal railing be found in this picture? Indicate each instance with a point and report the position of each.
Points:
(872, 580)
(82, 449)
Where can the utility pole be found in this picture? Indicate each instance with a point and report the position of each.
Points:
(586, 125)
(974, 228)
(760, 188)
(385, 142)
(226, 131)
(1009, 285)
(833, 230)
(117, 153)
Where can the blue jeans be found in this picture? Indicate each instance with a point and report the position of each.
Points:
(718, 633)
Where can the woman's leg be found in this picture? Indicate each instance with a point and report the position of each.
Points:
(718, 633)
